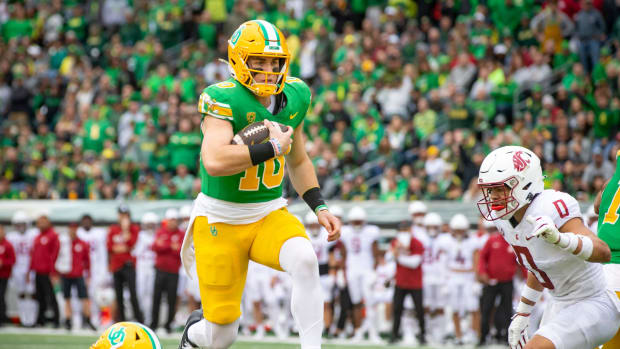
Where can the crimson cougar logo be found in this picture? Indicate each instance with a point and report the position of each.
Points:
(519, 162)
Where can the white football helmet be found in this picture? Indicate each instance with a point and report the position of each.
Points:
(417, 207)
(516, 173)
(312, 224)
(432, 222)
(185, 212)
(149, 221)
(337, 211)
(20, 217)
(356, 214)
(459, 224)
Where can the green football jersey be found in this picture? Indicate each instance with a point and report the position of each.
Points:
(231, 101)
(608, 222)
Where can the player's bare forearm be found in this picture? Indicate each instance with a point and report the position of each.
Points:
(600, 252)
(300, 167)
(219, 157)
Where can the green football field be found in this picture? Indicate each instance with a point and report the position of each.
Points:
(27, 340)
(40, 341)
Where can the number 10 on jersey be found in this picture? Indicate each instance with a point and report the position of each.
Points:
(271, 177)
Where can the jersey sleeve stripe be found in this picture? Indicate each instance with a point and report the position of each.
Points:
(201, 103)
(217, 116)
(207, 105)
(214, 108)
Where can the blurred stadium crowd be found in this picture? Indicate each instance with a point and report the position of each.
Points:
(98, 98)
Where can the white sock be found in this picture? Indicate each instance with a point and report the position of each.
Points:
(371, 320)
(208, 335)
(297, 258)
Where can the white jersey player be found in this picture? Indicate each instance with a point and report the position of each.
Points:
(22, 238)
(435, 275)
(100, 274)
(145, 262)
(548, 235)
(459, 261)
(318, 238)
(592, 219)
(257, 290)
(418, 210)
(360, 245)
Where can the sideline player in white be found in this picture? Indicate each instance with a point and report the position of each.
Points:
(548, 235)
(145, 262)
(434, 276)
(96, 237)
(360, 249)
(592, 219)
(318, 238)
(460, 263)
(22, 238)
(417, 210)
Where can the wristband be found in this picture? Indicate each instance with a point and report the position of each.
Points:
(567, 241)
(314, 199)
(524, 309)
(587, 246)
(261, 152)
(277, 147)
(530, 294)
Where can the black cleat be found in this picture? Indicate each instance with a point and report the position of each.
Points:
(193, 318)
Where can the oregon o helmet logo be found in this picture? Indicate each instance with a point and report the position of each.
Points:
(236, 35)
(116, 336)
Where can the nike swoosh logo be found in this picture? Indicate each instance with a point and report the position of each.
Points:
(528, 238)
(292, 116)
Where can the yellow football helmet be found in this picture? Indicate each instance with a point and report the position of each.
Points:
(258, 38)
(127, 335)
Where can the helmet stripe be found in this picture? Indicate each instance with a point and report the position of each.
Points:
(269, 32)
(262, 27)
(275, 30)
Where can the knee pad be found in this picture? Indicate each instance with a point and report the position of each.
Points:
(298, 256)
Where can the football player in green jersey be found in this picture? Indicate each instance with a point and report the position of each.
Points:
(240, 213)
(606, 205)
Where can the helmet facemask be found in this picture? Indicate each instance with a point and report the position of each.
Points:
(263, 87)
(433, 230)
(314, 229)
(502, 206)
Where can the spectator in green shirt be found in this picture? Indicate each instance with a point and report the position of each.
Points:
(160, 79)
(96, 131)
(183, 181)
(459, 114)
(160, 158)
(18, 25)
(424, 120)
(185, 146)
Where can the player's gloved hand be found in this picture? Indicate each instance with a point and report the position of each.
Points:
(283, 140)
(544, 228)
(517, 331)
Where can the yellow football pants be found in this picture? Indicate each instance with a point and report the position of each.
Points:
(222, 255)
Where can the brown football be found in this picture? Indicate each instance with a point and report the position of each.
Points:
(255, 133)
